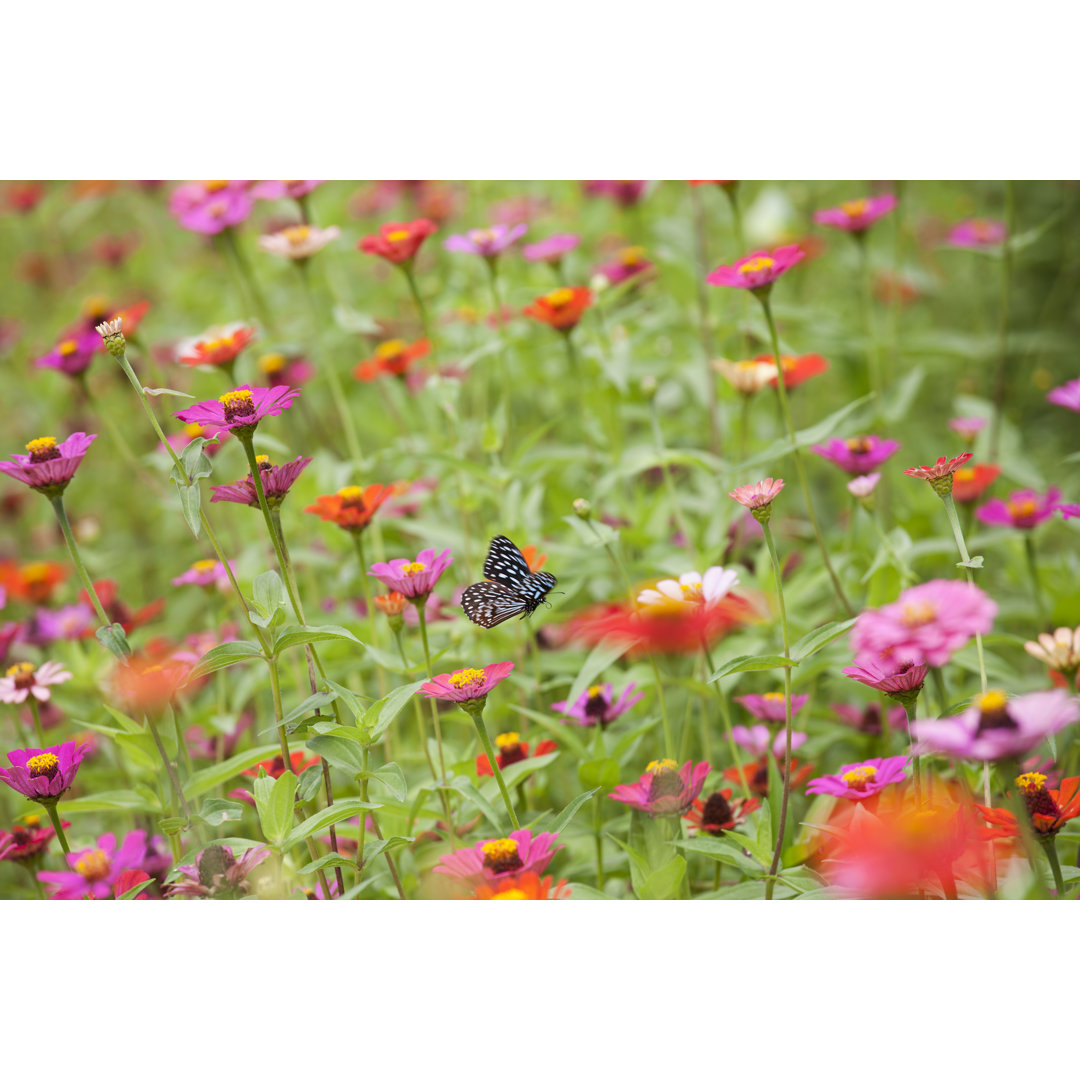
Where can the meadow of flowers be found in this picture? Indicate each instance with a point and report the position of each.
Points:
(610, 539)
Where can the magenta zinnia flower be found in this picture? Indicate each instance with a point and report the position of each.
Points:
(858, 456)
(414, 580)
(240, 410)
(857, 215)
(596, 705)
(771, 706)
(496, 858)
(860, 780)
(997, 726)
(887, 674)
(1023, 510)
(552, 249)
(285, 189)
(44, 775)
(276, 480)
(73, 354)
(664, 790)
(23, 679)
(977, 233)
(211, 206)
(49, 466)
(94, 870)
(1067, 396)
(489, 242)
(468, 684)
(927, 623)
(206, 572)
(759, 270)
(218, 874)
(760, 740)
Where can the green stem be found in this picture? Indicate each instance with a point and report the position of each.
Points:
(170, 771)
(958, 536)
(1001, 376)
(1033, 570)
(669, 484)
(1049, 846)
(38, 729)
(54, 817)
(572, 355)
(787, 711)
(485, 741)
(410, 277)
(248, 277)
(800, 469)
(725, 713)
(873, 356)
(704, 327)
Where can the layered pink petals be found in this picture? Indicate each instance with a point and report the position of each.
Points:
(54, 474)
(759, 270)
(1022, 510)
(857, 215)
(468, 683)
(413, 578)
(34, 774)
(517, 854)
(219, 416)
(861, 779)
(663, 791)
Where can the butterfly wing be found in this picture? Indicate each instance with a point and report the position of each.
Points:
(487, 603)
(505, 563)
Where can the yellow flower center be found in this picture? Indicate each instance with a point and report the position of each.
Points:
(32, 821)
(42, 764)
(204, 566)
(854, 208)
(1030, 783)
(42, 445)
(68, 348)
(918, 614)
(508, 740)
(632, 256)
(1023, 508)
(481, 236)
(397, 236)
(193, 431)
(559, 298)
(296, 234)
(469, 677)
(510, 894)
(413, 568)
(860, 445)
(595, 691)
(216, 185)
(663, 765)
(860, 777)
(239, 403)
(992, 701)
(21, 673)
(351, 494)
(964, 476)
(773, 696)
(499, 849)
(262, 459)
(96, 307)
(235, 398)
(691, 591)
(94, 865)
(754, 266)
(34, 573)
(389, 349)
(272, 362)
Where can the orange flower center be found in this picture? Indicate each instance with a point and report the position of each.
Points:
(36, 572)
(855, 208)
(595, 691)
(632, 256)
(94, 865)
(468, 677)
(754, 266)
(773, 696)
(510, 894)
(1022, 508)
(964, 476)
(43, 765)
(194, 431)
(68, 348)
(559, 298)
(918, 614)
(860, 777)
(481, 236)
(860, 445)
(216, 185)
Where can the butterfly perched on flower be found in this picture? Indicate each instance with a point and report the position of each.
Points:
(511, 589)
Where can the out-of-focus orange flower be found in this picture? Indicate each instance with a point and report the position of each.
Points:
(391, 604)
(797, 369)
(972, 480)
(352, 508)
(528, 886)
(149, 680)
(535, 559)
(561, 309)
(1049, 809)
(33, 582)
(393, 357)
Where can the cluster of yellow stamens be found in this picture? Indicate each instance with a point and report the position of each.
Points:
(36, 572)
(42, 449)
(204, 566)
(42, 765)
(754, 266)
(1031, 782)
(22, 673)
(632, 256)
(860, 445)
(773, 696)
(501, 855)
(595, 691)
(559, 298)
(510, 894)
(94, 865)
(389, 349)
(467, 677)
(663, 765)
(508, 740)
(237, 403)
(68, 347)
(194, 431)
(992, 701)
(1019, 509)
(353, 495)
(413, 568)
(860, 777)
(296, 234)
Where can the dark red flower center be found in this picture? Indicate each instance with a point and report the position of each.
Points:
(43, 449)
(237, 403)
(716, 813)
(213, 861)
(501, 856)
(993, 715)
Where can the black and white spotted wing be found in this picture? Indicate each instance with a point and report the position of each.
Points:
(511, 589)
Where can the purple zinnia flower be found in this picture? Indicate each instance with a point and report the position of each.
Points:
(771, 706)
(493, 859)
(44, 775)
(73, 354)
(209, 572)
(416, 579)
(977, 233)
(1067, 396)
(596, 705)
(1023, 510)
(860, 780)
(241, 409)
(211, 206)
(94, 870)
(857, 215)
(664, 790)
(49, 466)
(552, 249)
(997, 726)
(858, 456)
(218, 874)
(276, 480)
(489, 242)
(760, 740)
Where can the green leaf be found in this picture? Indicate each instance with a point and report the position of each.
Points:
(296, 719)
(342, 750)
(387, 843)
(308, 635)
(157, 391)
(468, 789)
(134, 892)
(380, 715)
(215, 812)
(223, 656)
(331, 815)
(115, 640)
(393, 779)
(639, 865)
(191, 506)
(568, 812)
(974, 563)
(578, 891)
(804, 438)
(269, 595)
(563, 732)
(591, 533)
(603, 655)
(751, 663)
(819, 638)
(274, 800)
(327, 862)
(663, 884)
(901, 393)
(599, 773)
(205, 779)
(104, 801)
(722, 849)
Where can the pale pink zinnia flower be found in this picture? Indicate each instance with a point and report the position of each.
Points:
(299, 241)
(759, 740)
(977, 233)
(967, 427)
(692, 588)
(413, 579)
(552, 249)
(756, 496)
(23, 679)
(862, 487)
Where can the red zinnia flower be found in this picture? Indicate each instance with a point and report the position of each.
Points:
(276, 765)
(512, 749)
(117, 610)
(719, 812)
(561, 309)
(797, 369)
(756, 774)
(970, 482)
(397, 241)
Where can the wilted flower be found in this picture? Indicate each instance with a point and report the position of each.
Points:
(597, 705)
(857, 215)
(1067, 396)
(299, 241)
(95, 870)
(561, 309)
(23, 680)
(73, 354)
(971, 481)
(398, 242)
(394, 357)
(207, 573)
(1060, 650)
(1023, 510)
(415, 580)
(1048, 809)
(218, 874)
(758, 271)
(526, 886)
(511, 750)
(498, 858)
(771, 706)
(489, 242)
(44, 775)
(977, 233)
(691, 588)
(352, 508)
(664, 790)
(240, 410)
(719, 812)
(997, 726)
(276, 481)
(552, 249)
(217, 347)
(860, 780)
(858, 456)
(468, 684)
(48, 466)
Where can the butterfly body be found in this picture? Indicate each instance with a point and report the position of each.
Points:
(511, 587)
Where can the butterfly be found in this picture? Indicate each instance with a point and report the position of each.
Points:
(511, 589)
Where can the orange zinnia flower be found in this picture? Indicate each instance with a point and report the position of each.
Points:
(561, 309)
(797, 369)
(393, 357)
(971, 481)
(352, 508)
(528, 886)
(1049, 809)
(33, 582)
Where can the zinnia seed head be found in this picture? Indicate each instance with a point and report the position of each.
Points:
(501, 856)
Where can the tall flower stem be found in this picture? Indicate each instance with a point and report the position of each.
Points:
(1049, 846)
(958, 536)
(57, 824)
(573, 363)
(243, 268)
(725, 713)
(422, 617)
(669, 484)
(1036, 588)
(872, 352)
(504, 364)
(1001, 375)
(477, 714)
(410, 277)
(80, 567)
(771, 881)
(909, 712)
(800, 468)
(38, 729)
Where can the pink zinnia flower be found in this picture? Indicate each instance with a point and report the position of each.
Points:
(205, 572)
(756, 496)
(867, 721)
(298, 242)
(44, 775)
(858, 456)
(760, 740)
(927, 623)
(285, 189)
(240, 410)
(664, 790)
(977, 233)
(967, 427)
(95, 870)
(1068, 510)
(857, 215)
(861, 779)
(489, 242)
(69, 623)
(415, 579)
(211, 206)
(759, 270)
(997, 726)
(23, 679)
(218, 874)
(72, 355)
(862, 487)
(49, 466)
(498, 858)
(276, 481)
(1067, 396)
(771, 706)
(468, 684)
(596, 705)
(943, 468)
(887, 674)
(552, 249)
(629, 263)
(1023, 510)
